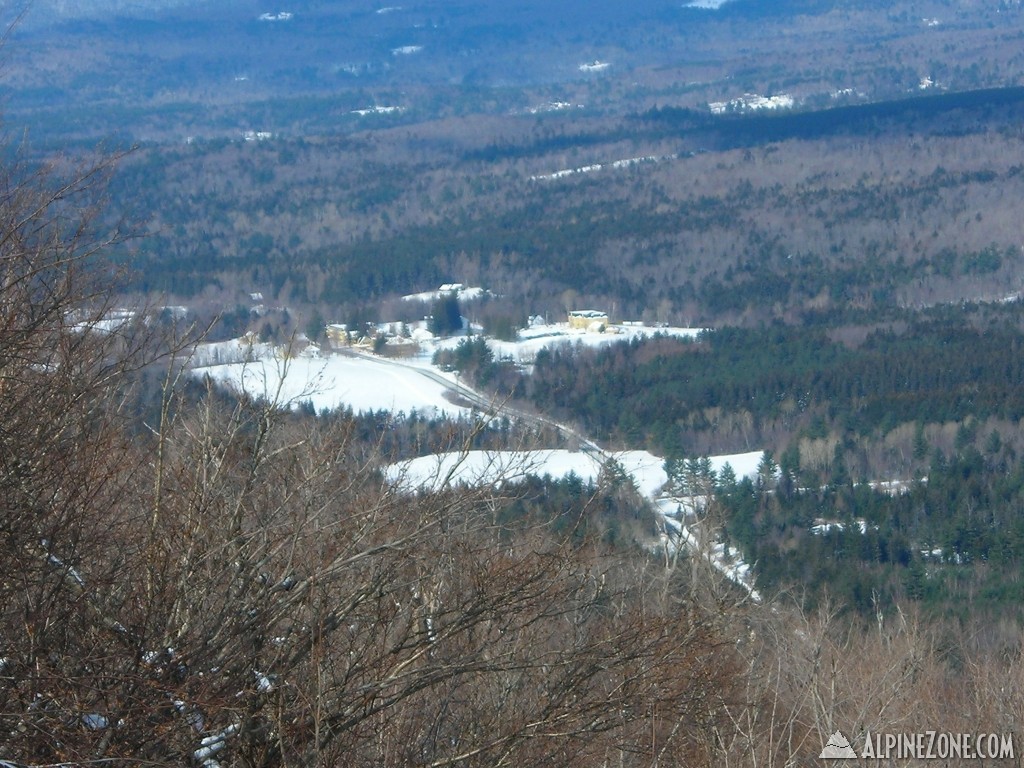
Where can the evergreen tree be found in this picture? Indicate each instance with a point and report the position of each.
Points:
(726, 478)
(445, 315)
(789, 467)
(766, 470)
(920, 442)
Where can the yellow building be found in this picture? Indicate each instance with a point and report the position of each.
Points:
(338, 335)
(586, 318)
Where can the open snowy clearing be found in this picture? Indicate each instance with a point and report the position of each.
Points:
(368, 383)
(463, 293)
(615, 164)
(706, 5)
(377, 110)
(751, 102)
(360, 383)
(497, 468)
(541, 336)
(474, 468)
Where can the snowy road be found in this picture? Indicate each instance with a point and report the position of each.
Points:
(366, 382)
(495, 467)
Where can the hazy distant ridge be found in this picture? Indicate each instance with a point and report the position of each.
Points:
(43, 9)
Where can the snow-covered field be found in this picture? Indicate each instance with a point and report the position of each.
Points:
(490, 468)
(551, 106)
(615, 164)
(110, 322)
(496, 468)
(463, 293)
(706, 5)
(377, 110)
(361, 383)
(472, 468)
(751, 102)
(366, 383)
(542, 335)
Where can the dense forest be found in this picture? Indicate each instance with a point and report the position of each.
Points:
(192, 579)
(830, 249)
(189, 579)
(952, 541)
(900, 442)
(166, 70)
(736, 389)
(910, 204)
(196, 577)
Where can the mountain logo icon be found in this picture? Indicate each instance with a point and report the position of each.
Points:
(838, 748)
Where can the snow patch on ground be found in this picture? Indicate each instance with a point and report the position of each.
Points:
(552, 106)
(378, 110)
(111, 321)
(489, 468)
(548, 336)
(462, 293)
(360, 383)
(368, 383)
(752, 102)
(615, 164)
(429, 474)
(496, 468)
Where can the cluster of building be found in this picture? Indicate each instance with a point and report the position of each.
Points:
(398, 334)
(393, 334)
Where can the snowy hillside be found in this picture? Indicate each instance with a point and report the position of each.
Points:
(541, 335)
(497, 467)
(369, 383)
(359, 383)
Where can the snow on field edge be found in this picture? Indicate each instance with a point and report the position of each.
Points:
(360, 383)
(474, 468)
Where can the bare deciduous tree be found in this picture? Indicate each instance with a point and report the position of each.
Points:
(239, 584)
